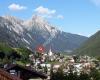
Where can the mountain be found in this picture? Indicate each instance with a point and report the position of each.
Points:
(91, 46)
(37, 31)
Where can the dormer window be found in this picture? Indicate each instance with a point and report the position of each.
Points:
(13, 72)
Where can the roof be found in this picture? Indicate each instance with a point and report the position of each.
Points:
(29, 70)
(8, 75)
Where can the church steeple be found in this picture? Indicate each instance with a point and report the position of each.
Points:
(50, 52)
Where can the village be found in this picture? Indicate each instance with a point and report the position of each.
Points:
(54, 61)
(42, 64)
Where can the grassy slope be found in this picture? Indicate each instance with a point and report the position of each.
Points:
(5, 48)
(91, 47)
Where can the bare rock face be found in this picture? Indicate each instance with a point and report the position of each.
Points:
(36, 31)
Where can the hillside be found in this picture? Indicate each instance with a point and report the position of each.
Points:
(91, 46)
(7, 54)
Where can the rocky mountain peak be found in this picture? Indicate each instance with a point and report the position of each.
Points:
(32, 32)
(12, 18)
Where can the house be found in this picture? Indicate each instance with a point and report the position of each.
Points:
(4, 75)
(25, 73)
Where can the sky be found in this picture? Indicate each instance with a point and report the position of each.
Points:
(74, 16)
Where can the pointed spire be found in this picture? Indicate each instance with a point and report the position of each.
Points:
(50, 52)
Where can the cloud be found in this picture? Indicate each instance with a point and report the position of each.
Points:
(16, 7)
(48, 13)
(96, 2)
(60, 17)
(43, 10)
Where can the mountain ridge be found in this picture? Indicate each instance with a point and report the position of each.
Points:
(35, 31)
